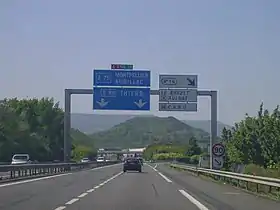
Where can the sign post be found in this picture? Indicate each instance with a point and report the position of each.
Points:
(111, 92)
(218, 151)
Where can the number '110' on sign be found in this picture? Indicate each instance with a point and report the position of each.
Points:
(218, 149)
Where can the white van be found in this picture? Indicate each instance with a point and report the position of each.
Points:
(100, 160)
(85, 160)
(20, 159)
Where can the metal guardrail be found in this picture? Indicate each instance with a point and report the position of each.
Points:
(18, 172)
(226, 175)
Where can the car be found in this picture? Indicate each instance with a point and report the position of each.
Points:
(18, 159)
(132, 164)
(85, 160)
(100, 160)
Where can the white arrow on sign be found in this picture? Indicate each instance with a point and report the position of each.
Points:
(218, 162)
(140, 103)
(102, 102)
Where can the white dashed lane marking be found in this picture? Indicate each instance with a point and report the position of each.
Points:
(72, 201)
(164, 177)
(87, 192)
(82, 195)
(91, 190)
(199, 205)
(60, 208)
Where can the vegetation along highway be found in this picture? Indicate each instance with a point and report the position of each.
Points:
(35, 126)
(151, 69)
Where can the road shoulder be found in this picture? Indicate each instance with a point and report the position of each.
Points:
(218, 196)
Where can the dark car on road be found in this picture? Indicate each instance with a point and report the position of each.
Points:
(132, 164)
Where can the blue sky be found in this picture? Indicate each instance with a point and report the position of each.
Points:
(47, 46)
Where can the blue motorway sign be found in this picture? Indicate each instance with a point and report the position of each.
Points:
(122, 78)
(111, 98)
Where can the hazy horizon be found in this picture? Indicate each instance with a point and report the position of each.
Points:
(47, 46)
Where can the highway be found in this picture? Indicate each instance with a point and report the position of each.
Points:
(157, 188)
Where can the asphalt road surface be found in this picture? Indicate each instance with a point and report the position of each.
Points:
(157, 188)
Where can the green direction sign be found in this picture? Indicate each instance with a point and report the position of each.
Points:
(121, 66)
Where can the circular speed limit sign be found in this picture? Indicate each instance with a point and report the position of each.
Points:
(218, 149)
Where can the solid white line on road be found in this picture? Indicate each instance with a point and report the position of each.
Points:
(60, 208)
(33, 180)
(199, 205)
(82, 195)
(232, 193)
(164, 177)
(72, 201)
(88, 191)
(48, 177)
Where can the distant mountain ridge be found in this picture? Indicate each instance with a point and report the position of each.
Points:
(143, 131)
(205, 125)
(92, 123)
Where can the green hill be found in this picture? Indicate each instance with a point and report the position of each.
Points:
(92, 123)
(142, 131)
(79, 138)
(83, 145)
(205, 125)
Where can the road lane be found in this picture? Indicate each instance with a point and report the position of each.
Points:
(47, 194)
(133, 190)
(214, 195)
(158, 187)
